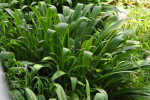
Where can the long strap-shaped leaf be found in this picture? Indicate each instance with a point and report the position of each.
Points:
(73, 82)
(143, 92)
(30, 95)
(103, 93)
(49, 18)
(43, 8)
(86, 9)
(95, 12)
(16, 95)
(66, 11)
(57, 75)
(111, 74)
(60, 92)
(108, 30)
(88, 90)
(77, 12)
(21, 31)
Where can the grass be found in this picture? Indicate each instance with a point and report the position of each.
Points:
(140, 21)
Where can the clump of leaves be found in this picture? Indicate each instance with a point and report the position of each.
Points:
(70, 50)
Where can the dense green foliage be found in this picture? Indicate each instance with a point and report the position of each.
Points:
(140, 22)
(81, 53)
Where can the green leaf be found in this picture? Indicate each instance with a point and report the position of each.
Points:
(73, 24)
(87, 57)
(57, 75)
(99, 96)
(103, 93)
(87, 44)
(37, 67)
(9, 11)
(132, 91)
(30, 95)
(43, 8)
(62, 28)
(88, 90)
(39, 88)
(77, 12)
(86, 9)
(95, 12)
(74, 96)
(16, 95)
(113, 44)
(49, 34)
(18, 22)
(65, 51)
(125, 54)
(73, 82)
(49, 58)
(23, 7)
(41, 97)
(108, 30)
(43, 24)
(60, 92)
(110, 74)
(49, 18)
(111, 21)
(55, 44)
(66, 11)
(61, 18)
(53, 10)
(69, 2)
(35, 11)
